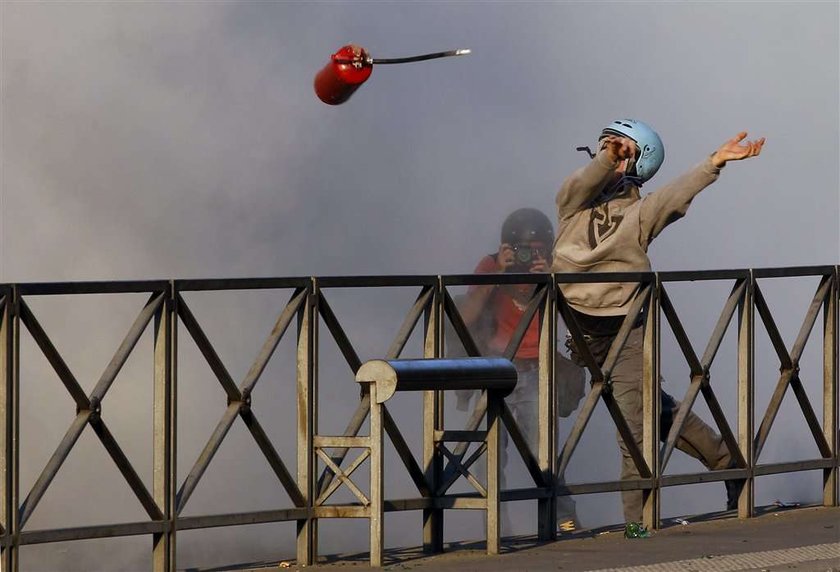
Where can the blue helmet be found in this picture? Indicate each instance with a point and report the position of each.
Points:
(650, 153)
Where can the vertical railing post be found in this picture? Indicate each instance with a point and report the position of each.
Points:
(9, 428)
(494, 404)
(432, 421)
(746, 394)
(547, 415)
(830, 389)
(307, 546)
(5, 426)
(377, 514)
(164, 473)
(651, 406)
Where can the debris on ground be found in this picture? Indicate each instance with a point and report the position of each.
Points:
(636, 530)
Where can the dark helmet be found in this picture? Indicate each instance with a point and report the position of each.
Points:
(525, 225)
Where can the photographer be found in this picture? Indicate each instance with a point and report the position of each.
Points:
(493, 312)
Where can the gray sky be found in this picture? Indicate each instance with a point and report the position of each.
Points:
(151, 139)
(184, 139)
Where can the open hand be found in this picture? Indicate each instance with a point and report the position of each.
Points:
(734, 150)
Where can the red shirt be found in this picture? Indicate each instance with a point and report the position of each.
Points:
(507, 316)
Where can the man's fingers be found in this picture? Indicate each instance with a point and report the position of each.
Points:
(755, 147)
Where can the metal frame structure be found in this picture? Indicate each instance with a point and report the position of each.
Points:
(168, 315)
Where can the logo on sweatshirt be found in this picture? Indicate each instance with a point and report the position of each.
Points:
(602, 224)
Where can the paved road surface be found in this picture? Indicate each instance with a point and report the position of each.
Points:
(802, 539)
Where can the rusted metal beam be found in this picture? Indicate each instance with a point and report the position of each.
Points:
(245, 518)
(164, 428)
(580, 424)
(53, 465)
(682, 338)
(343, 441)
(338, 334)
(462, 470)
(461, 329)
(792, 271)
(92, 287)
(794, 466)
(831, 428)
(723, 322)
(376, 281)
(131, 338)
(578, 337)
(810, 319)
(652, 405)
(8, 429)
(679, 421)
(410, 322)
(456, 461)
(746, 397)
(810, 416)
(280, 326)
(29, 537)
(306, 406)
(450, 436)
(271, 455)
(771, 328)
(531, 462)
(771, 412)
(460, 449)
(547, 388)
(53, 356)
(608, 486)
(207, 350)
(343, 474)
(225, 284)
(125, 467)
(351, 431)
(722, 424)
(537, 300)
(704, 477)
(626, 434)
(640, 301)
(411, 465)
(207, 454)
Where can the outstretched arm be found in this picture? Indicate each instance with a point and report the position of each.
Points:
(663, 206)
(734, 150)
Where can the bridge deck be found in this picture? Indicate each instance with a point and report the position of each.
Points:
(803, 539)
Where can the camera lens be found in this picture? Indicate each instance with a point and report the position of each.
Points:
(523, 253)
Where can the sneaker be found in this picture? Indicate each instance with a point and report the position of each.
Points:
(733, 489)
(566, 526)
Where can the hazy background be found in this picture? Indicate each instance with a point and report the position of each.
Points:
(183, 139)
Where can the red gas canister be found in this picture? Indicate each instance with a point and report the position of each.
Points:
(347, 69)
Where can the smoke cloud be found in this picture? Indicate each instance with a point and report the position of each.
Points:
(180, 140)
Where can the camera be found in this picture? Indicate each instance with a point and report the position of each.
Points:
(523, 257)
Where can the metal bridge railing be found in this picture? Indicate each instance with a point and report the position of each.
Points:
(168, 316)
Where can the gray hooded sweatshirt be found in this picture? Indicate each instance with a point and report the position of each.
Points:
(614, 236)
